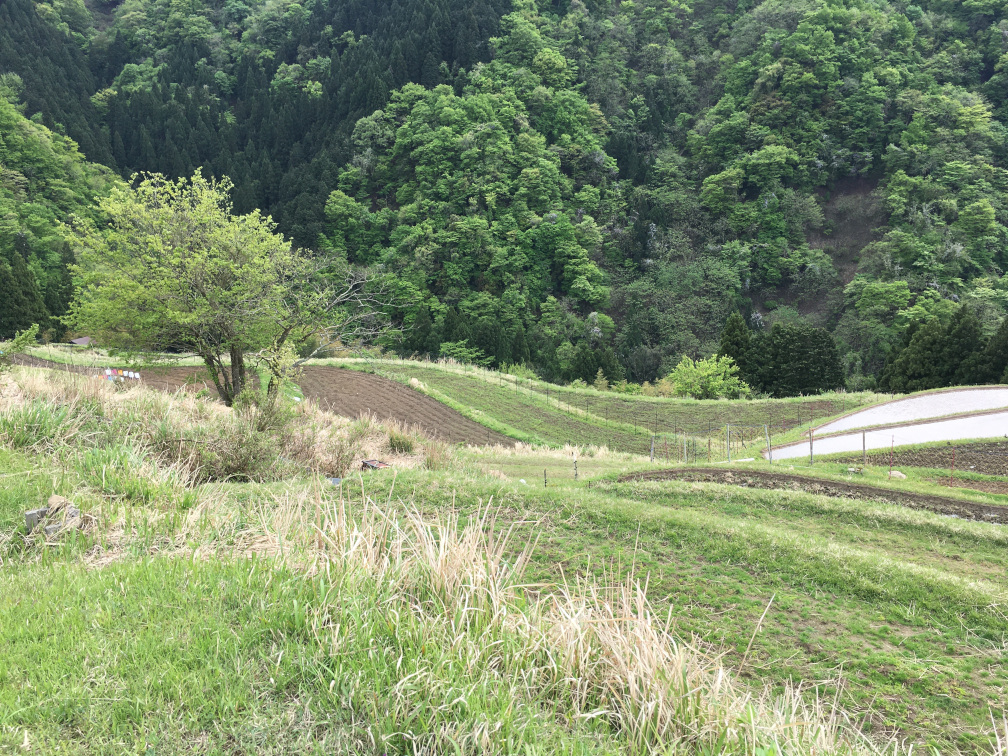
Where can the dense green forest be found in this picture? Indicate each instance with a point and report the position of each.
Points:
(574, 185)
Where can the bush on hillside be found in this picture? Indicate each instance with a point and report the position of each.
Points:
(712, 378)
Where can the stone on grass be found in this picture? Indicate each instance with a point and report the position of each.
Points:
(58, 508)
(898, 475)
(34, 516)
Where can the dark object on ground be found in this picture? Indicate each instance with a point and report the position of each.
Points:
(373, 464)
(335, 481)
(968, 510)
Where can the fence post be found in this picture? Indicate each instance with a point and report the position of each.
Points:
(575, 467)
(652, 447)
(892, 446)
(864, 451)
(728, 439)
(952, 474)
(769, 451)
(544, 477)
(810, 444)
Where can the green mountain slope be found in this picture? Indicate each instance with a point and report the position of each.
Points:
(596, 185)
(44, 180)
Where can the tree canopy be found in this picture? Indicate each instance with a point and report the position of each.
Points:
(175, 269)
(578, 186)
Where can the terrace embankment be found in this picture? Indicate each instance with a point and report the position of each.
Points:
(784, 481)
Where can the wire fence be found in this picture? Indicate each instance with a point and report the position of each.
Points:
(984, 458)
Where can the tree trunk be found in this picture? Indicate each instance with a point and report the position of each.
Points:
(237, 371)
(219, 377)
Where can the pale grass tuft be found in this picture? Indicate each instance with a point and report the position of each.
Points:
(1000, 742)
(623, 663)
(599, 653)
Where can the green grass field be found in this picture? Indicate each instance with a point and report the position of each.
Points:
(289, 615)
(536, 411)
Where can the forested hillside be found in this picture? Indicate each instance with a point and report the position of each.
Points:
(43, 180)
(577, 185)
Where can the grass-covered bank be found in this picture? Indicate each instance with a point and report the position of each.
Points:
(436, 607)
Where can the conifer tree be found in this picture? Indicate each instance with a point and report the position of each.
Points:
(995, 356)
(919, 366)
(963, 352)
(737, 343)
(21, 304)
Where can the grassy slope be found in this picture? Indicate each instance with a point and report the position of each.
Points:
(908, 608)
(905, 606)
(534, 410)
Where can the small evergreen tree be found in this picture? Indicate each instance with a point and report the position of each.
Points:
(736, 341)
(995, 355)
(803, 360)
(419, 334)
(963, 352)
(919, 365)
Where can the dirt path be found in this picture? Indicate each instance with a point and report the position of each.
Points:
(350, 393)
(166, 378)
(760, 479)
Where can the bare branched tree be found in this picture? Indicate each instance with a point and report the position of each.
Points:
(334, 304)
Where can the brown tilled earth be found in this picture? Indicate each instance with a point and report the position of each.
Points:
(351, 393)
(759, 479)
(161, 378)
(986, 458)
(344, 392)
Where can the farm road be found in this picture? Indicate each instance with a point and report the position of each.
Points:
(923, 407)
(989, 425)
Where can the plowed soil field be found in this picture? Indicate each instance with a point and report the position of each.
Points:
(758, 479)
(989, 458)
(351, 393)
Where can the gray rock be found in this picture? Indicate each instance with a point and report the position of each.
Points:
(58, 508)
(34, 516)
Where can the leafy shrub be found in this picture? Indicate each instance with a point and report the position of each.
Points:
(522, 371)
(18, 344)
(712, 378)
(238, 451)
(460, 351)
(267, 414)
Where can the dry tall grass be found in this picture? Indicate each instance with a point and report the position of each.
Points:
(589, 651)
(201, 440)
